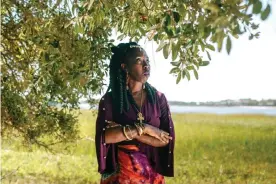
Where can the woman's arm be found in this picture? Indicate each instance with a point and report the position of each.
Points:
(155, 137)
(152, 141)
(115, 134)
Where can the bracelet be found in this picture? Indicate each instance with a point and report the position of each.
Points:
(130, 132)
(142, 125)
(139, 129)
(111, 126)
(124, 132)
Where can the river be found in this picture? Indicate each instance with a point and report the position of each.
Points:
(265, 110)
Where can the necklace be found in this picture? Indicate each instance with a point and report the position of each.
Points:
(140, 116)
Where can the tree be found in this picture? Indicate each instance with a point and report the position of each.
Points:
(56, 52)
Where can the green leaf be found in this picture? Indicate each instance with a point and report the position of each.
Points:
(161, 45)
(177, 63)
(189, 45)
(211, 47)
(183, 74)
(228, 45)
(204, 63)
(254, 26)
(237, 30)
(174, 70)
(176, 16)
(167, 21)
(265, 13)
(79, 29)
(123, 24)
(220, 39)
(202, 45)
(143, 32)
(178, 77)
(190, 67)
(195, 50)
(212, 7)
(47, 57)
(257, 35)
(201, 26)
(187, 74)
(177, 30)
(235, 36)
(251, 37)
(196, 64)
(169, 31)
(166, 51)
(155, 38)
(182, 9)
(121, 37)
(174, 51)
(257, 7)
(209, 56)
(178, 45)
(196, 74)
(90, 4)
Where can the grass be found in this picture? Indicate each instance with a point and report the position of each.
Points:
(209, 149)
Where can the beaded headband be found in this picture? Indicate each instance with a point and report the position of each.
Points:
(133, 46)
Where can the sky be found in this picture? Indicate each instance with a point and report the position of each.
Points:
(248, 72)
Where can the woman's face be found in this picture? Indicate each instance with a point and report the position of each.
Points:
(137, 65)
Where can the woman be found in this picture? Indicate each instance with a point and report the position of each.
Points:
(134, 129)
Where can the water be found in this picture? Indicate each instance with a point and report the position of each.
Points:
(225, 110)
(218, 109)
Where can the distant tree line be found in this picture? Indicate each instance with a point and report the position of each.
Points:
(240, 102)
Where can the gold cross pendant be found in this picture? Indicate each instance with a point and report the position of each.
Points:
(140, 117)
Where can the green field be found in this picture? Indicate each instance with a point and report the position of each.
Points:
(209, 149)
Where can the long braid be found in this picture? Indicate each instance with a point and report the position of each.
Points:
(151, 93)
(121, 91)
(126, 102)
(117, 80)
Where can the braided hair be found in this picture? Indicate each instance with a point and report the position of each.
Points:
(117, 79)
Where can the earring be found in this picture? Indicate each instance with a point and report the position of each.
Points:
(144, 86)
(127, 78)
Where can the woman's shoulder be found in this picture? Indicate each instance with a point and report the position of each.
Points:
(160, 95)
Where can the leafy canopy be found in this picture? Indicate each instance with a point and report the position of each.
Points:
(56, 51)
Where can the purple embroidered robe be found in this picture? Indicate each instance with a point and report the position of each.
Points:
(158, 115)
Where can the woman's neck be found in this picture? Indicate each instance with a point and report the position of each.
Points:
(135, 86)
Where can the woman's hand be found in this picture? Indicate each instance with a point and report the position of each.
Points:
(157, 133)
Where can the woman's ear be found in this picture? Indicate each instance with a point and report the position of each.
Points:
(123, 66)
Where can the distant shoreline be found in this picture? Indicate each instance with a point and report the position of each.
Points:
(217, 105)
(263, 110)
(228, 103)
